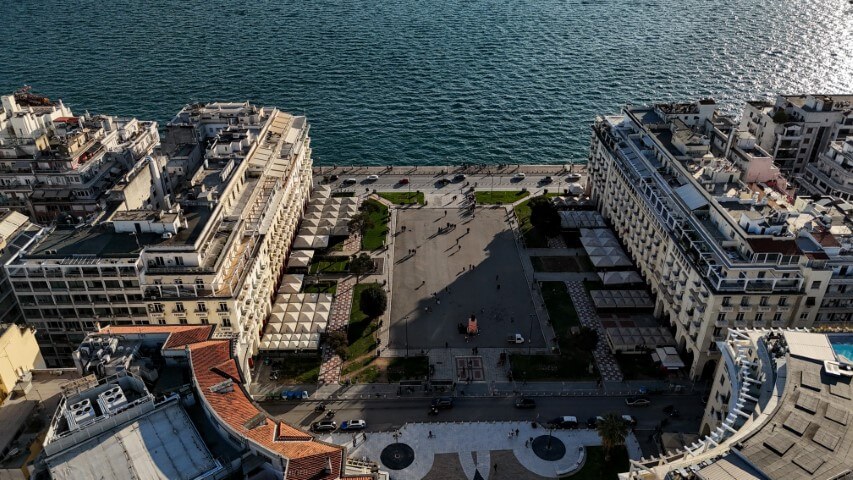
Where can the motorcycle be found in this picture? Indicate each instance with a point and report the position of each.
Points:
(320, 407)
(330, 414)
(433, 411)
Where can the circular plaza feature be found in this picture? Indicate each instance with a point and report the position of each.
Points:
(398, 456)
(548, 448)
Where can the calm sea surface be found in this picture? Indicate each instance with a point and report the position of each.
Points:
(425, 81)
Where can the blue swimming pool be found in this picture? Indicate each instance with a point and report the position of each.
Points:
(843, 346)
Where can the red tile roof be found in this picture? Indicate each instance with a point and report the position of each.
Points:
(179, 335)
(308, 458)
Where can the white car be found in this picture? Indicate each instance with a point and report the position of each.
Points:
(372, 178)
(353, 425)
(573, 177)
(520, 175)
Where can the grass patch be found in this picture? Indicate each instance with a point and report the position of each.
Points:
(330, 265)
(596, 468)
(576, 264)
(566, 366)
(342, 194)
(320, 287)
(495, 198)
(298, 369)
(361, 327)
(368, 375)
(533, 238)
(411, 368)
(403, 198)
(356, 365)
(561, 310)
(374, 237)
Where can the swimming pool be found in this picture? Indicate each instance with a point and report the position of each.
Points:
(843, 346)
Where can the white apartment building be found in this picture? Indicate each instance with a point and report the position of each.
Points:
(832, 174)
(779, 409)
(211, 252)
(717, 251)
(795, 129)
(57, 165)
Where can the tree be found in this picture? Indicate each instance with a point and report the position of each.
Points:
(544, 216)
(612, 429)
(586, 340)
(337, 341)
(373, 301)
(360, 222)
(360, 265)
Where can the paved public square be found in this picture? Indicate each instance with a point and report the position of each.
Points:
(435, 288)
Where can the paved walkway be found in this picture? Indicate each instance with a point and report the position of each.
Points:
(555, 252)
(473, 447)
(566, 276)
(330, 368)
(605, 361)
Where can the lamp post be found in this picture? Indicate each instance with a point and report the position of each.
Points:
(406, 322)
(530, 335)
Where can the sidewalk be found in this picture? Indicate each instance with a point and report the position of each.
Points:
(479, 449)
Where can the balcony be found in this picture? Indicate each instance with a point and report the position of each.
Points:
(727, 308)
(763, 308)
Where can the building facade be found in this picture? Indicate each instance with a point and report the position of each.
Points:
(209, 250)
(832, 174)
(54, 165)
(795, 129)
(718, 251)
(19, 353)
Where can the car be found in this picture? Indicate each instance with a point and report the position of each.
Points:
(514, 338)
(404, 181)
(629, 420)
(353, 425)
(372, 178)
(573, 177)
(519, 176)
(547, 179)
(442, 402)
(637, 402)
(333, 178)
(459, 177)
(525, 402)
(349, 181)
(294, 395)
(564, 422)
(324, 426)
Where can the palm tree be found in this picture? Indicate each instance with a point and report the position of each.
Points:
(612, 429)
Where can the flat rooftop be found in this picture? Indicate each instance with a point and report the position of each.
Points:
(162, 444)
(103, 241)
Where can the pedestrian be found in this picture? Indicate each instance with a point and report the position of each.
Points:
(429, 435)
(497, 277)
(364, 436)
(527, 444)
(499, 286)
(516, 432)
(446, 345)
(468, 230)
(445, 213)
(460, 247)
(496, 468)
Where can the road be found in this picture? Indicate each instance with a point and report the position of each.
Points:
(430, 182)
(388, 414)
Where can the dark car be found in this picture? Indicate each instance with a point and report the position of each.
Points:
(525, 402)
(333, 178)
(442, 402)
(547, 180)
(637, 402)
(459, 177)
(404, 181)
(564, 422)
(324, 426)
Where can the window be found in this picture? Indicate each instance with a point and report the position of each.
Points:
(777, 317)
(226, 322)
(182, 320)
(727, 301)
(759, 317)
(179, 260)
(156, 307)
(764, 301)
(201, 306)
(205, 321)
(721, 317)
(783, 301)
(815, 285)
(179, 307)
(739, 317)
(744, 302)
(223, 307)
(161, 321)
(804, 315)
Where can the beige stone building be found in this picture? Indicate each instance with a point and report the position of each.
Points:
(211, 251)
(19, 353)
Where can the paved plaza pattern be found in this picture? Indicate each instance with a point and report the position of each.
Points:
(443, 275)
(604, 359)
(464, 450)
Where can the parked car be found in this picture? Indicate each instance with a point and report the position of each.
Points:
(349, 181)
(564, 422)
(404, 181)
(515, 338)
(294, 395)
(519, 176)
(353, 425)
(372, 178)
(459, 177)
(573, 177)
(547, 179)
(637, 402)
(629, 420)
(442, 402)
(525, 402)
(324, 426)
(333, 178)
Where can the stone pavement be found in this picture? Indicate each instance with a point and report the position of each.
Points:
(330, 368)
(606, 362)
(472, 448)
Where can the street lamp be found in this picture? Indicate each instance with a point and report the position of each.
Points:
(530, 335)
(406, 322)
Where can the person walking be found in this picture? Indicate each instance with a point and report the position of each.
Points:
(516, 432)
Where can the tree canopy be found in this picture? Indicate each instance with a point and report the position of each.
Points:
(612, 429)
(373, 301)
(544, 216)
